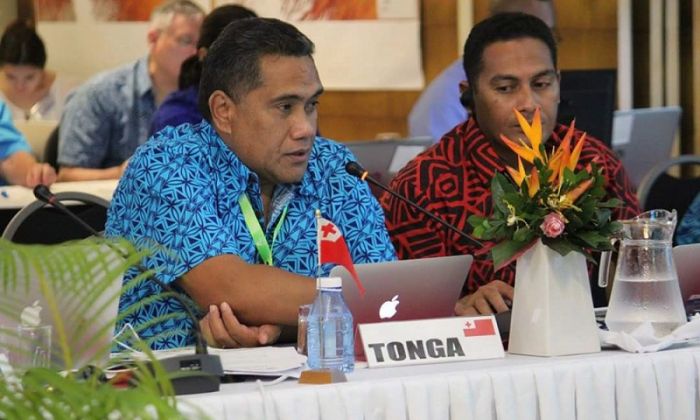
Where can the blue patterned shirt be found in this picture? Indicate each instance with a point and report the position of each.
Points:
(107, 118)
(181, 190)
(11, 141)
(689, 229)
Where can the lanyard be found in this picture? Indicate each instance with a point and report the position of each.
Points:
(256, 231)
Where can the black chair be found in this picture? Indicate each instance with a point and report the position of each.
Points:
(40, 223)
(51, 149)
(660, 190)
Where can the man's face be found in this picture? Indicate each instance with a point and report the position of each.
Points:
(517, 74)
(177, 42)
(272, 127)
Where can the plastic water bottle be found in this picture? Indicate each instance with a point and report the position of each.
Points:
(330, 336)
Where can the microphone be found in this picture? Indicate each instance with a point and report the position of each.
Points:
(356, 170)
(188, 381)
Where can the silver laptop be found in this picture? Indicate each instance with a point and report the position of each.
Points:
(88, 312)
(36, 132)
(687, 261)
(643, 137)
(405, 290)
(384, 158)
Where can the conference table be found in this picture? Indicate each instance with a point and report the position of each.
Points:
(14, 197)
(612, 384)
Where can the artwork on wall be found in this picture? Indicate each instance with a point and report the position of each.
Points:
(54, 10)
(123, 10)
(360, 44)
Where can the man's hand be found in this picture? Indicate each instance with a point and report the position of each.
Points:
(488, 299)
(40, 173)
(221, 328)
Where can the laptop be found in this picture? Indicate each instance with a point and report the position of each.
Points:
(687, 261)
(36, 132)
(403, 290)
(644, 137)
(88, 311)
(384, 158)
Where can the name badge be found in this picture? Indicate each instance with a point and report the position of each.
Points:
(431, 341)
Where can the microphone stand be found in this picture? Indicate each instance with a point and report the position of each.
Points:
(356, 170)
(197, 373)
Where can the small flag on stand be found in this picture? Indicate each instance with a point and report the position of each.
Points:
(478, 327)
(332, 248)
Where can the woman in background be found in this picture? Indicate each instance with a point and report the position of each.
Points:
(30, 91)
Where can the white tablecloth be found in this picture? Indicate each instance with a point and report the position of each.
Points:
(600, 386)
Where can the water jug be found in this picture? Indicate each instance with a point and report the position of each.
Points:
(645, 287)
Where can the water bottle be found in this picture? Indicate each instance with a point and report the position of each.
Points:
(330, 338)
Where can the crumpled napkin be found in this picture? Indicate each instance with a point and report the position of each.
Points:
(643, 340)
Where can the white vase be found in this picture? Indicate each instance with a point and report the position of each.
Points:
(552, 307)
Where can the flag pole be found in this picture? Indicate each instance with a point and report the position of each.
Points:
(318, 243)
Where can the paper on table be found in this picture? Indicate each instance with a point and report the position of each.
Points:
(643, 340)
(261, 361)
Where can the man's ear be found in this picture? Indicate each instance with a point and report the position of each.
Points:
(467, 95)
(152, 36)
(222, 110)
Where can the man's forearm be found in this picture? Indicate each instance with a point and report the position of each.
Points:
(75, 173)
(258, 294)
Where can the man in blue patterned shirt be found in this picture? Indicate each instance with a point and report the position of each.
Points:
(108, 117)
(199, 195)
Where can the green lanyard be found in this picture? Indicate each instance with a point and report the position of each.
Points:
(256, 231)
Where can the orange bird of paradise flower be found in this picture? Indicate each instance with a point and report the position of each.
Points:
(560, 159)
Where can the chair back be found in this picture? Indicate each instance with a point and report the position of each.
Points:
(40, 223)
(660, 190)
(51, 149)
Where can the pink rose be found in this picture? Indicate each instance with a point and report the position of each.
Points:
(553, 225)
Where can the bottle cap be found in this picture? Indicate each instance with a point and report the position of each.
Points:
(329, 282)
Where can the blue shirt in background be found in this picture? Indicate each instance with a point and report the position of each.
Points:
(179, 197)
(688, 231)
(179, 107)
(11, 140)
(438, 109)
(107, 118)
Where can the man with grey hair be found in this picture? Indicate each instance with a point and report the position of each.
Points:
(441, 107)
(109, 116)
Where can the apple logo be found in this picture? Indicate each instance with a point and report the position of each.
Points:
(31, 315)
(388, 308)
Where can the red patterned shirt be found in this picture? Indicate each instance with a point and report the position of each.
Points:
(452, 179)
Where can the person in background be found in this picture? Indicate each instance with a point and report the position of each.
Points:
(440, 107)
(17, 164)
(229, 204)
(688, 231)
(181, 106)
(31, 91)
(510, 60)
(110, 115)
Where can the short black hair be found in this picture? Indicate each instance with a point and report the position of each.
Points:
(232, 64)
(218, 19)
(498, 28)
(21, 46)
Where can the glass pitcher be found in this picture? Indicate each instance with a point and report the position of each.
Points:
(646, 284)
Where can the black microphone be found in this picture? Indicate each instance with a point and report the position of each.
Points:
(355, 169)
(189, 382)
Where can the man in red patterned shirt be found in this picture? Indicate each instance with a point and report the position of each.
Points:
(510, 63)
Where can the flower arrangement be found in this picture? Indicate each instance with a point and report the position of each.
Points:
(554, 202)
